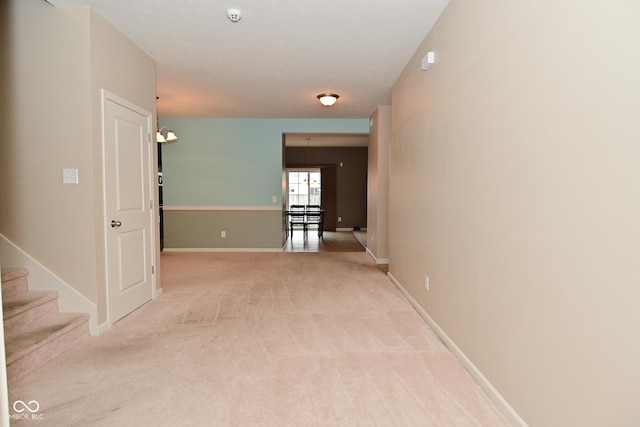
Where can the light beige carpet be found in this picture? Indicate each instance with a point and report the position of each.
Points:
(263, 339)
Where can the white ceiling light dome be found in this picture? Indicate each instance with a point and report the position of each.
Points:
(328, 99)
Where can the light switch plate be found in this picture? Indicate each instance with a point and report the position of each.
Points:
(69, 176)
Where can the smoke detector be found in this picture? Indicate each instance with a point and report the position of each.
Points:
(234, 15)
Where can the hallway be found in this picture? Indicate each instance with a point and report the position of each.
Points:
(269, 339)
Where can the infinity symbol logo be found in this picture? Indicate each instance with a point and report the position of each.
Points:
(20, 404)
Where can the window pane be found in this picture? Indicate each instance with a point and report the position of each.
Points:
(304, 187)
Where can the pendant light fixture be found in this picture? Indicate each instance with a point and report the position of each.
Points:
(308, 178)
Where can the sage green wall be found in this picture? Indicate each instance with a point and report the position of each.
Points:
(227, 163)
(247, 229)
(515, 185)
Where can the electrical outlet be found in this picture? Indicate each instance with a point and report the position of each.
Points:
(274, 199)
(69, 176)
(339, 219)
(426, 282)
(223, 234)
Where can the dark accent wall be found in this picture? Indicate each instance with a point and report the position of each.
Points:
(351, 179)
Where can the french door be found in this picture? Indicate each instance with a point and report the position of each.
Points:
(305, 187)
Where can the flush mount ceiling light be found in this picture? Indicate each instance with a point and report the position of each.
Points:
(328, 99)
(170, 136)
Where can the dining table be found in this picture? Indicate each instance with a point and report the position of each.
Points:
(311, 217)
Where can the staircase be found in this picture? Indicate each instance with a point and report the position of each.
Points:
(35, 332)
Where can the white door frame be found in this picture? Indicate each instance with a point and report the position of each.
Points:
(108, 96)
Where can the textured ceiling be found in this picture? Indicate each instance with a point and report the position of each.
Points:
(277, 58)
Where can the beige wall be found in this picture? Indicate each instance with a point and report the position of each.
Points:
(49, 128)
(515, 186)
(60, 58)
(378, 185)
(120, 67)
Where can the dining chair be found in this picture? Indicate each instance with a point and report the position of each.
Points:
(314, 218)
(297, 218)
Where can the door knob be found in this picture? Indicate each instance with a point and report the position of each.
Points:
(115, 223)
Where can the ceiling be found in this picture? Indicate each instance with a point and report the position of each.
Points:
(277, 58)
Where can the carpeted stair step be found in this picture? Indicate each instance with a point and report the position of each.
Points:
(49, 337)
(14, 281)
(23, 310)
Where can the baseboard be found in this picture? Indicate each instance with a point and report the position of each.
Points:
(379, 261)
(222, 250)
(511, 415)
(157, 293)
(102, 328)
(41, 278)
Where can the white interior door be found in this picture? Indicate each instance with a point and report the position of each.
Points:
(129, 214)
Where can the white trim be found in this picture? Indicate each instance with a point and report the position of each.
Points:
(510, 413)
(41, 278)
(61, 3)
(103, 327)
(378, 261)
(105, 237)
(222, 208)
(222, 250)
